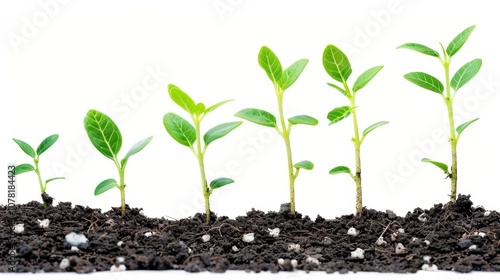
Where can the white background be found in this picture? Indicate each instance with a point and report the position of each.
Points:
(62, 59)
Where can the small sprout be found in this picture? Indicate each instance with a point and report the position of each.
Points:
(274, 232)
(74, 249)
(487, 213)
(429, 267)
(235, 249)
(205, 238)
(400, 249)
(358, 254)
(64, 264)
(35, 155)
(107, 139)
(75, 239)
(19, 228)
(381, 242)
(401, 230)
(120, 259)
(422, 217)
(282, 80)
(427, 242)
(294, 248)
(352, 232)
(119, 268)
(43, 223)
(189, 135)
(120, 243)
(312, 260)
(249, 237)
(473, 247)
(427, 259)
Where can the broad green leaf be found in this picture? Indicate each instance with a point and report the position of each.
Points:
(53, 179)
(180, 129)
(257, 116)
(217, 105)
(46, 143)
(22, 168)
(365, 78)
(374, 126)
(305, 164)
(220, 182)
(199, 109)
(463, 126)
(465, 73)
(339, 170)
(292, 73)
(270, 63)
(303, 119)
(419, 48)
(338, 88)
(219, 131)
(25, 147)
(336, 64)
(457, 43)
(338, 114)
(181, 98)
(137, 147)
(440, 165)
(425, 81)
(103, 133)
(105, 185)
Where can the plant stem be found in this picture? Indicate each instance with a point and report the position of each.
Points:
(453, 138)
(357, 152)
(122, 189)
(42, 188)
(201, 164)
(286, 137)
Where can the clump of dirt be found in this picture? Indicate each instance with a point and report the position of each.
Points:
(454, 236)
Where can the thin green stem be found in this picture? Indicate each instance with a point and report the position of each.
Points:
(39, 176)
(121, 186)
(200, 156)
(357, 154)
(453, 137)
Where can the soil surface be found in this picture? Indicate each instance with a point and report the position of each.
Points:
(455, 237)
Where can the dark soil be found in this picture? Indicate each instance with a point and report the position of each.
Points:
(446, 237)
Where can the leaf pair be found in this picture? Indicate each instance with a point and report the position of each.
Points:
(272, 66)
(265, 118)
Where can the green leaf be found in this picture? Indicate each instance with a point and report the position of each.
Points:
(303, 119)
(220, 182)
(257, 116)
(103, 133)
(137, 147)
(270, 63)
(46, 143)
(292, 73)
(25, 147)
(22, 168)
(105, 185)
(425, 81)
(305, 164)
(181, 98)
(440, 165)
(339, 170)
(219, 131)
(465, 73)
(374, 126)
(336, 64)
(457, 43)
(365, 78)
(199, 109)
(217, 105)
(338, 114)
(463, 126)
(419, 48)
(180, 129)
(53, 179)
(339, 89)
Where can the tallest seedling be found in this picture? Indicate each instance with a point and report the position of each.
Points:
(459, 79)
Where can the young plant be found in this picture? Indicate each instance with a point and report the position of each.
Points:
(107, 139)
(282, 80)
(337, 65)
(35, 155)
(459, 79)
(189, 135)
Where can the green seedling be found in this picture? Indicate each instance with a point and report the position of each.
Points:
(282, 80)
(35, 155)
(459, 79)
(189, 135)
(338, 67)
(107, 139)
